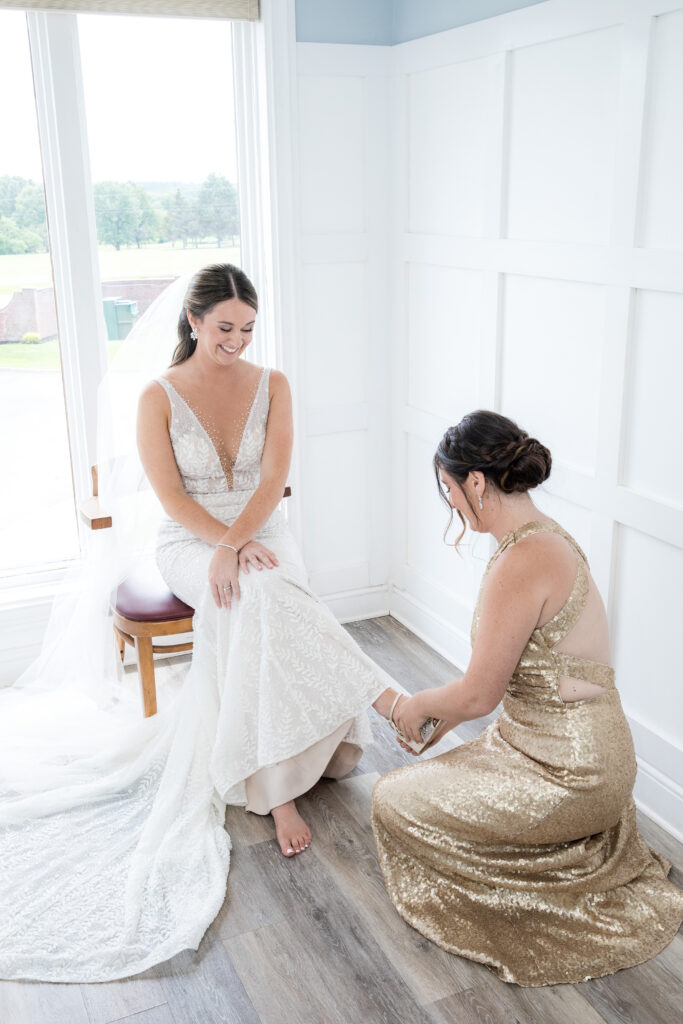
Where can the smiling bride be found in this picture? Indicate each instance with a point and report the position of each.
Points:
(112, 839)
(285, 687)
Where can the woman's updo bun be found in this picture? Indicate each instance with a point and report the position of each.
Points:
(521, 465)
(494, 445)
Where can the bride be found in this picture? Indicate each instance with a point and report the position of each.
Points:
(287, 687)
(112, 837)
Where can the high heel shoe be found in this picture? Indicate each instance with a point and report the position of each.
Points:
(431, 731)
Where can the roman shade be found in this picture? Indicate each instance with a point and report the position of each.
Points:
(247, 10)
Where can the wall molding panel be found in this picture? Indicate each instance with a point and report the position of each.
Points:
(344, 153)
(578, 333)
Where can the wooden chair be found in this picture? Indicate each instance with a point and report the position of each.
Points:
(143, 608)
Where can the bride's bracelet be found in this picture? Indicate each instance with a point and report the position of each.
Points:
(231, 546)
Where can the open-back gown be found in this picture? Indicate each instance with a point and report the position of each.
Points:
(520, 849)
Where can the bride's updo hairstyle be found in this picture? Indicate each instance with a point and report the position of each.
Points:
(208, 287)
(489, 443)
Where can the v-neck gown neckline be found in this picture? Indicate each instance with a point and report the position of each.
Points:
(226, 461)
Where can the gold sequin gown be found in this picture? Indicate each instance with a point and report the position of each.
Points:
(520, 849)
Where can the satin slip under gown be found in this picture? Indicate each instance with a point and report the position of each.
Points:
(520, 848)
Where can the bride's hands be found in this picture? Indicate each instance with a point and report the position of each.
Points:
(223, 573)
(257, 556)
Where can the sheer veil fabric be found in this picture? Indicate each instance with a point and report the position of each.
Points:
(112, 843)
(113, 851)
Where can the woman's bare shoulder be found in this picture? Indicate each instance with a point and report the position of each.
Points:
(278, 383)
(153, 398)
(541, 559)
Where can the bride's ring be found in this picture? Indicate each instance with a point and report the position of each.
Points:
(227, 588)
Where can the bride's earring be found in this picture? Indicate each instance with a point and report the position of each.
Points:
(193, 334)
(481, 503)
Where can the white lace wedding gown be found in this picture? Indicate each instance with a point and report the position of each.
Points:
(115, 861)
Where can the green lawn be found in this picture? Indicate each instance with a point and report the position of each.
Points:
(43, 356)
(34, 269)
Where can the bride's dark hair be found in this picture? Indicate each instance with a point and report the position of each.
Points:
(491, 444)
(209, 286)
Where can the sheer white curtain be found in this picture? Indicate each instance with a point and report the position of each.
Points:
(111, 832)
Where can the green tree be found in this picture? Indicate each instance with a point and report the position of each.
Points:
(146, 218)
(29, 211)
(217, 208)
(15, 241)
(181, 219)
(10, 187)
(115, 213)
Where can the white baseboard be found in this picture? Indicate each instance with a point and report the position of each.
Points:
(365, 603)
(659, 786)
(660, 798)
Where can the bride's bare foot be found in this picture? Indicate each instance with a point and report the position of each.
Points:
(293, 834)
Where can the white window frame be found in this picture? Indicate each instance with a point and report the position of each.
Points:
(263, 66)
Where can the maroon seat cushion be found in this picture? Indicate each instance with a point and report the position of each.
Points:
(144, 597)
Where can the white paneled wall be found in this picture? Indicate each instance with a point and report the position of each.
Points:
(563, 96)
(492, 217)
(342, 388)
(662, 163)
(540, 239)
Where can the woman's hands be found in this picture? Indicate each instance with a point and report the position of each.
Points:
(223, 573)
(225, 565)
(257, 555)
(409, 716)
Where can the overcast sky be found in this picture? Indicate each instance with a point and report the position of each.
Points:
(158, 93)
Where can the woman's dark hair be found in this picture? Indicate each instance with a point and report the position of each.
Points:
(208, 287)
(489, 443)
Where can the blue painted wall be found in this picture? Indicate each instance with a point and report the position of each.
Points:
(345, 21)
(416, 18)
(384, 22)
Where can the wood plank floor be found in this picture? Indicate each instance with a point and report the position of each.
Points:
(315, 939)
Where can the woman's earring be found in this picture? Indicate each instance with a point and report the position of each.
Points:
(481, 503)
(193, 334)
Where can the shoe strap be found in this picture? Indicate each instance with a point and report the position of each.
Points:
(391, 713)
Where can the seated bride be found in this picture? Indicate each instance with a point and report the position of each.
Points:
(132, 809)
(284, 685)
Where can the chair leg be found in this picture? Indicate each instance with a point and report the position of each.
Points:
(143, 648)
(120, 643)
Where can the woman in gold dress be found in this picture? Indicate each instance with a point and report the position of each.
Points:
(520, 849)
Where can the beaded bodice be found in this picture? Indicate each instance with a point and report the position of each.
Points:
(205, 466)
(540, 667)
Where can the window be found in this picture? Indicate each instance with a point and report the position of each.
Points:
(37, 512)
(158, 100)
(161, 130)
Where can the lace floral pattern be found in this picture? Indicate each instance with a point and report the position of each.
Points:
(194, 450)
(116, 861)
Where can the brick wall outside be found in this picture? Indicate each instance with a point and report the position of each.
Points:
(33, 309)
